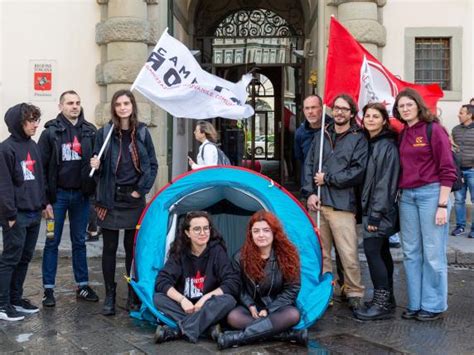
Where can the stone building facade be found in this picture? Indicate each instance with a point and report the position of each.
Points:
(114, 38)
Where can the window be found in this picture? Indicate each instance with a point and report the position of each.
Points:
(433, 61)
(434, 55)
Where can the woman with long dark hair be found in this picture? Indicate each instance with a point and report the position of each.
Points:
(270, 272)
(426, 178)
(197, 284)
(126, 172)
(379, 210)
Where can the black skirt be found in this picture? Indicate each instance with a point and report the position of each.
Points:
(126, 212)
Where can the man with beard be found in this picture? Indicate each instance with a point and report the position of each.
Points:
(345, 152)
(66, 144)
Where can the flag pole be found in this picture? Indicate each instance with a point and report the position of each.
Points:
(103, 148)
(320, 163)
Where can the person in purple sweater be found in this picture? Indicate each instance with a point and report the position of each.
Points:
(426, 177)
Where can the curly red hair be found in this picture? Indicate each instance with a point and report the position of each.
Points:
(285, 252)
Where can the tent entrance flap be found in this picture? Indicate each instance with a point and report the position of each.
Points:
(229, 207)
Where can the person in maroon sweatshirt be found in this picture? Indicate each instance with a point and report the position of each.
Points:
(426, 177)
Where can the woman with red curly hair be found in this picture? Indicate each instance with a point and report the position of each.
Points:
(270, 272)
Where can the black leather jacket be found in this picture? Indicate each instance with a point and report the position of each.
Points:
(344, 162)
(379, 194)
(272, 293)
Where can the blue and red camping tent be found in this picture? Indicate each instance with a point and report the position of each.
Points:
(231, 195)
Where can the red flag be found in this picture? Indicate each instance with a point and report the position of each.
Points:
(351, 69)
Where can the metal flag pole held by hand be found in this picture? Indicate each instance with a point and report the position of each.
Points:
(102, 149)
(320, 163)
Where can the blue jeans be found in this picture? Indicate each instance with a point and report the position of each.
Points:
(19, 244)
(77, 207)
(424, 249)
(460, 199)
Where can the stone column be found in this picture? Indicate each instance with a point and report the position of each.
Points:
(125, 34)
(363, 19)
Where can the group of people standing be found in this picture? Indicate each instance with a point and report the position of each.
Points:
(52, 179)
(397, 182)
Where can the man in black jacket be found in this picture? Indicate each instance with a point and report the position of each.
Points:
(66, 147)
(344, 162)
(21, 201)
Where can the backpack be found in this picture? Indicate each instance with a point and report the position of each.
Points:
(222, 159)
(459, 183)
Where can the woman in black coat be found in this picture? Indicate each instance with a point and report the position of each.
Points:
(379, 210)
(270, 272)
(125, 174)
(197, 284)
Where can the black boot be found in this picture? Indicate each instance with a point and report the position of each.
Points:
(299, 337)
(133, 303)
(260, 329)
(379, 308)
(164, 333)
(109, 302)
(214, 331)
(393, 303)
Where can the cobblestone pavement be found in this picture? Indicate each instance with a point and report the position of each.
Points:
(78, 327)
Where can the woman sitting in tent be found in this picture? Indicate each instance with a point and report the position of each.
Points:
(197, 284)
(270, 272)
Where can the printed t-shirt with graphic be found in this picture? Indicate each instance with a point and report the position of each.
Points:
(69, 173)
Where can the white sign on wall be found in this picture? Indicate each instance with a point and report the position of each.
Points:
(42, 80)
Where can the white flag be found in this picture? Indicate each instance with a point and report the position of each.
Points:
(174, 80)
(375, 86)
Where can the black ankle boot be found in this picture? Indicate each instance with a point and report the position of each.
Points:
(393, 303)
(109, 303)
(260, 329)
(214, 331)
(133, 303)
(379, 308)
(164, 333)
(299, 337)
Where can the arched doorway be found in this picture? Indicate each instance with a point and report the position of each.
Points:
(266, 40)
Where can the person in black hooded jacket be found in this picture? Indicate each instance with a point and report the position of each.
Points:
(379, 210)
(66, 144)
(21, 201)
(197, 285)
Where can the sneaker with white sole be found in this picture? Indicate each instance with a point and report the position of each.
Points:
(8, 313)
(87, 294)
(25, 306)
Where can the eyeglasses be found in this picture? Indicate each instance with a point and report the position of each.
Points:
(199, 230)
(408, 106)
(341, 109)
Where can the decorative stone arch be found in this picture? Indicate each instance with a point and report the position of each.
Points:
(293, 11)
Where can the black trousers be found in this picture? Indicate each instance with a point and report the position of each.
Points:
(18, 247)
(379, 259)
(195, 324)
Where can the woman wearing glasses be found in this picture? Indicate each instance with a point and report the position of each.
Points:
(197, 284)
(270, 272)
(426, 177)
